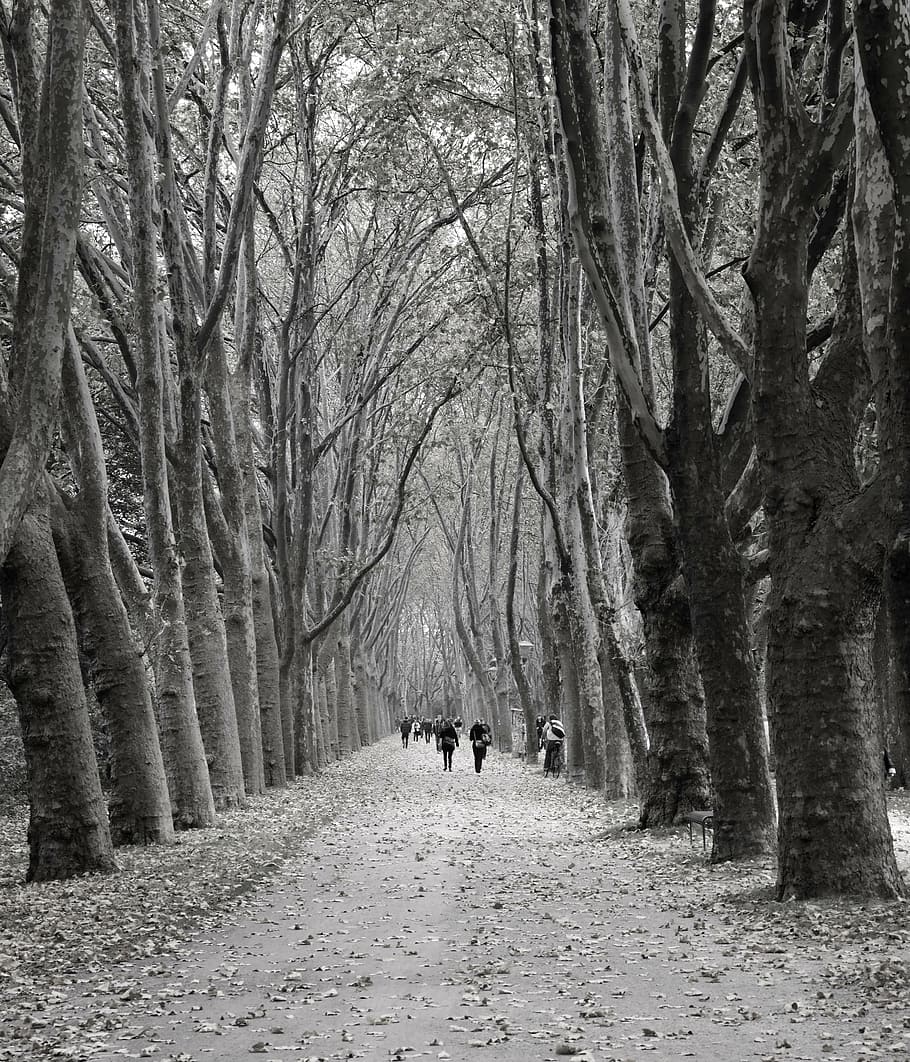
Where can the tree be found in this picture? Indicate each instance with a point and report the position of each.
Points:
(824, 542)
(192, 802)
(743, 806)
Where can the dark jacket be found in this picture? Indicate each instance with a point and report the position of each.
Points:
(448, 731)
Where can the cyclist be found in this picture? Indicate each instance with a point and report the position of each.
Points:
(554, 734)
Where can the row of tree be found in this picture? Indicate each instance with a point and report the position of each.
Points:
(360, 351)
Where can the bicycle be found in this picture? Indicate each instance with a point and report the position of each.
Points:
(553, 762)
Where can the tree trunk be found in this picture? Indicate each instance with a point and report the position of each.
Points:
(678, 776)
(239, 624)
(883, 87)
(266, 645)
(570, 692)
(139, 809)
(267, 669)
(68, 829)
(348, 736)
(605, 233)
(181, 743)
(834, 835)
(824, 559)
(549, 645)
(205, 625)
(744, 803)
(361, 695)
(519, 674)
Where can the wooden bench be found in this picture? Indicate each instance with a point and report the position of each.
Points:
(705, 819)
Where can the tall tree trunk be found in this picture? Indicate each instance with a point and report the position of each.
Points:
(68, 829)
(267, 676)
(744, 811)
(239, 624)
(834, 834)
(49, 109)
(744, 803)
(549, 651)
(361, 694)
(181, 742)
(517, 663)
(139, 809)
(205, 624)
(339, 726)
(883, 88)
(677, 777)
(570, 684)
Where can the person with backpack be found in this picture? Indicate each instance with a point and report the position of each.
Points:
(448, 742)
(481, 738)
(554, 734)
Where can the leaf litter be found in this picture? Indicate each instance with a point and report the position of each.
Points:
(384, 910)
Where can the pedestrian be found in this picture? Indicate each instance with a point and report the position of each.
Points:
(480, 739)
(540, 723)
(448, 742)
(554, 735)
(890, 769)
(405, 729)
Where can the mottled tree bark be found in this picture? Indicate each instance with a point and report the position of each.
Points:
(744, 806)
(181, 742)
(677, 777)
(205, 624)
(68, 828)
(269, 695)
(234, 554)
(884, 89)
(139, 808)
(824, 560)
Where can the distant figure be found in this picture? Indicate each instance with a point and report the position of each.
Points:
(416, 730)
(554, 734)
(541, 723)
(405, 731)
(890, 769)
(437, 730)
(448, 742)
(480, 738)
(457, 723)
(426, 726)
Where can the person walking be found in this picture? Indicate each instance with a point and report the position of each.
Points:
(554, 735)
(448, 742)
(405, 729)
(480, 740)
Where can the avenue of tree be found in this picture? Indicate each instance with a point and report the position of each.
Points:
(370, 359)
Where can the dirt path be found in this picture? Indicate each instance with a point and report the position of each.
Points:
(501, 917)
(493, 916)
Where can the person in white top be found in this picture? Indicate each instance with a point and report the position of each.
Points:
(554, 734)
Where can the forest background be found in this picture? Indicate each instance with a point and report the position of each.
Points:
(365, 360)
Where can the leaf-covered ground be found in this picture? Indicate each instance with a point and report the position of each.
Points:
(386, 910)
